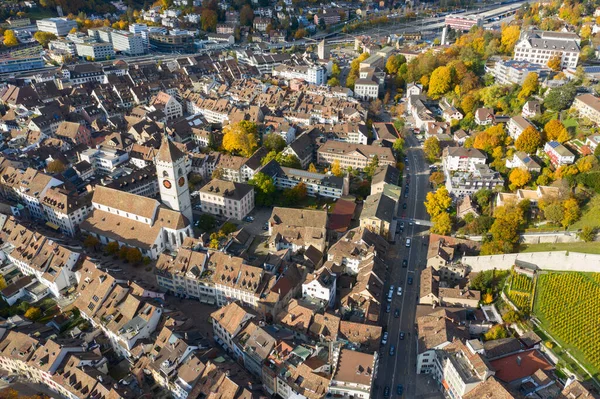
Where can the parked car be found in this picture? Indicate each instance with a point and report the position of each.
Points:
(388, 308)
(408, 241)
(404, 206)
(386, 392)
(401, 335)
(410, 281)
(404, 263)
(384, 339)
(399, 291)
(392, 350)
(397, 313)
(400, 389)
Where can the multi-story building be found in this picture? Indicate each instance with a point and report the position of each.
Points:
(559, 154)
(297, 229)
(517, 125)
(74, 133)
(316, 74)
(104, 160)
(228, 321)
(171, 43)
(538, 47)
(65, 211)
(142, 30)
(366, 87)
(354, 374)
(357, 156)
(23, 63)
(588, 106)
(168, 104)
(514, 71)
(57, 26)
(460, 184)
(463, 22)
(462, 159)
(95, 51)
(228, 199)
(320, 286)
(235, 281)
(128, 43)
(63, 45)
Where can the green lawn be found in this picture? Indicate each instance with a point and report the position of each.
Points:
(584, 247)
(570, 122)
(590, 214)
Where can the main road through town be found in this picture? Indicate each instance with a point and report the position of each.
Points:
(400, 368)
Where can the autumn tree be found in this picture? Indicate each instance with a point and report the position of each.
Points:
(490, 138)
(218, 173)
(33, 313)
(91, 242)
(571, 213)
(438, 202)
(312, 168)
(241, 137)
(555, 62)
(585, 32)
(134, 256)
(274, 142)
(393, 63)
(246, 15)
(442, 224)
(10, 40)
(336, 169)
(529, 140)
(510, 37)
(556, 131)
(529, 87)
(519, 178)
(112, 248)
(512, 316)
(508, 221)
(355, 70)
(55, 166)
(440, 81)
(587, 234)
(333, 82)
(432, 149)
(437, 178)
(44, 38)
(398, 146)
(208, 20)
(372, 166)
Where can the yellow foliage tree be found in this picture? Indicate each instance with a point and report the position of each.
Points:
(312, 168)
(33, 313)
(530, 86)
(554, 130)
(487, 298)
(336, 169)
(555, 62)
(519, 177)
(510, 37)
(10, 40)
(571, 212)
(442, 224)
(241, 137)
(440, 81)
(437, 202)
(585, 32)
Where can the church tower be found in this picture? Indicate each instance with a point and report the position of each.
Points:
(172, 179)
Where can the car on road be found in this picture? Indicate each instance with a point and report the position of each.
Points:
(401, 335)
(401, 225)
(404, 206)
(399, 291)
(386, 392)
(397, 313)
(400, 389)
(392, 350)
(404, 263)
(405, 159)
(388, 308)
(406, 194)
(266, 226)
(249, 219)
(384, 339)
(410, 280)
(408, 241)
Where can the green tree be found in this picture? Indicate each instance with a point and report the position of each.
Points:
(372, 166)
(333, 82)
(274, 142)
(560, 98)
(288, 160)
(432, 149)
(264, 188)
(398, 146)
(241, 137)
(335, 70)
(228, 228)
(554, 212)
(440, 81)
(587, 234)
(393, 63)
(529, 140)
(207, 222)
(483, 197)
(512, 316)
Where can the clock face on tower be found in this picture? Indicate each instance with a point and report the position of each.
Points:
(181, 181)
(167, 184)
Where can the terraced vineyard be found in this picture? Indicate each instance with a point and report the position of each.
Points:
(568, 305)
(520, 291)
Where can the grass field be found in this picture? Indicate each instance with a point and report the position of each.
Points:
(570, 122)
(584, 247)
(590, 214)
(568, 306)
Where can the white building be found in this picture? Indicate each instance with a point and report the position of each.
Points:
(95, 51)
(516, 125)
(320, 286)
(128, 43)
(58, 26)
(228, 322)
(538, 47)
(514, 72)
(142, 30)
(354, 374)
(168, 104)
(462, 159)
(588, 106)
(104, 160)
(316, 74)
(228, 199)
(559, 154)
(171, 170)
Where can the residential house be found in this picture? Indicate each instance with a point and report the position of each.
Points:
(516, 125)
(462, 159)
(484, 116)
(559, 154)
(357, 156)
(522, 160)
(227, 199)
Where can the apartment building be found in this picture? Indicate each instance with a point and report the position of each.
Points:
(297, 229)
(64, 212)
(514, 71)
(235, 281)
(356, 248)
(57, 26)
(357, 156)
(367, 86)
(538, 47)
(516, 125)
(74, 133)
(559, 154)
(463, 22)
(228, 321)
(588, 107)
(228, 199)
(354, 375)
(128, 43)
(104, 160)
(320, 286)
(315, 74)
(23, 63)
(462, 159)
(95, 51)
(460, 184)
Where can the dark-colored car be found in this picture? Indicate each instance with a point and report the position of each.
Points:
(397, 313)
(404, 263)
(410, 280)
(400, 389)
(404, 206)
(386, 392)
(392, 350)
(388, 308)
(401, 335)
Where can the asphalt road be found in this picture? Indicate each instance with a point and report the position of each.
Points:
(400, 368)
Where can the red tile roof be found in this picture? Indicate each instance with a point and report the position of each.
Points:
(519, 365)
